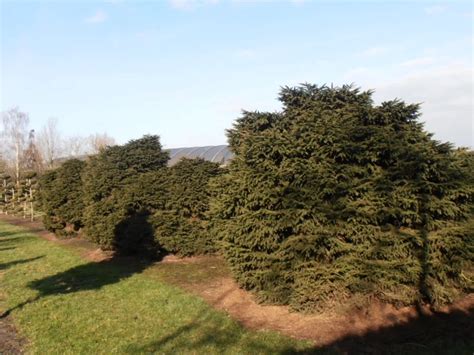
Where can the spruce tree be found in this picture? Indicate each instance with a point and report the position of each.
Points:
(49, 201)
(105, 179)
(335, 198)
(182, 226)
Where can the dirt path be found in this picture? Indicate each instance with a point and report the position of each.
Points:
(369, 330)
(338, 331)
(10, 341)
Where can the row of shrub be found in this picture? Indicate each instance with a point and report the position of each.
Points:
(331, 201)
(127, 199)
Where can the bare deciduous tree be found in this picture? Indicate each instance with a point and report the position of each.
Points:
(98, 141)
(49, 141)
(76, 146)
(14, 136)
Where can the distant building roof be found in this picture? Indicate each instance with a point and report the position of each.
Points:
(220, 154)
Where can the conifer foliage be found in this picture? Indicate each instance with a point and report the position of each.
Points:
(107, 175)
(334, 198)
(182, 226)
(61, 198)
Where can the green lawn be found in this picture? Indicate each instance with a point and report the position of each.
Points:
(63, 304)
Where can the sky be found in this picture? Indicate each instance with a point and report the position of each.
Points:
(185, 69)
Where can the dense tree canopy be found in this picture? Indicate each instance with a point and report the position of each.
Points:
(333, 200)
(62, 197)
(105, 178)
(182, 226)
(336, 198)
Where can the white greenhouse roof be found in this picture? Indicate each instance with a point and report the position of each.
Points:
(220, 154)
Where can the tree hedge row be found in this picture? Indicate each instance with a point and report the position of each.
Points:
(335, 199)
(126, 199)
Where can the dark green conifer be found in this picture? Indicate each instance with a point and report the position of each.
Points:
(105, 179)
(182, 227)
(336, 198)
(62, 198)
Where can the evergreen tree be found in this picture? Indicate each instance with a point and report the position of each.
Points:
(336, 198)
(105, 178)
(62, 198)
(49, 201)
(31, 156)
(182, 226)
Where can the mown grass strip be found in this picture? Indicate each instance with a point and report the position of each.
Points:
(65, 305)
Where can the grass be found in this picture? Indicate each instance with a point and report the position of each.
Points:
(63, 304)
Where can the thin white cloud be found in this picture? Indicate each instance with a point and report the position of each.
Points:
(446, 95)
(98, 17)
(435, 9)
(417, 62)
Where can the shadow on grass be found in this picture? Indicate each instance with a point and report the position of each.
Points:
(11, 233)
(18, 262)
(93, 275)
(22, 222)
(90, 276)
(7, 234)
(438, 333)
(11, 238)
(208, 330)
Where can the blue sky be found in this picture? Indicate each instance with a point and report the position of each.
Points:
(185, 69)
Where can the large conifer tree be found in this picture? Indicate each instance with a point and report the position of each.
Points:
(105, 179)
(336, 198)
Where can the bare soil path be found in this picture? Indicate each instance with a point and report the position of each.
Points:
(10, 342)
(367, 330)
(352, 332)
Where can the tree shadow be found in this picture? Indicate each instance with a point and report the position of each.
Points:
(5, 234)
(436, 333)
(135, 235)
(9, 234)
(90, 276)
(7, 265)
(205, 331)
